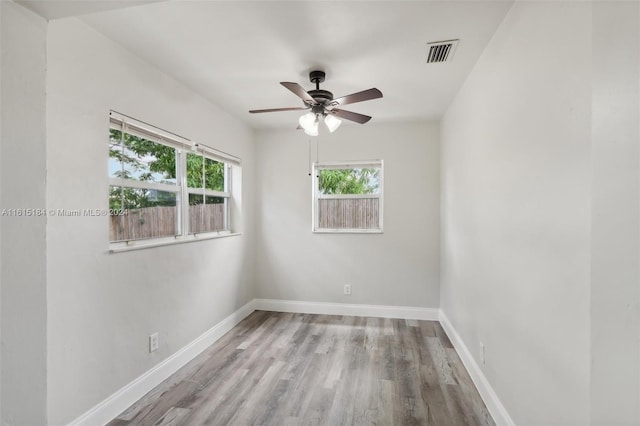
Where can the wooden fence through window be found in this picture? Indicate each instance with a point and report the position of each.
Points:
(153, 222)
(349, 213)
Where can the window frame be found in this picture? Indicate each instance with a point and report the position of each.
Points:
(316, 196)
(182, 147)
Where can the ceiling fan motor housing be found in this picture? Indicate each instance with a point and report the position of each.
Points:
(321, 96)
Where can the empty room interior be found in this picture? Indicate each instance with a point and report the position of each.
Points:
(320, 212)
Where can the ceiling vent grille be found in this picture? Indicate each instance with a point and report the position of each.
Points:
(441, 51)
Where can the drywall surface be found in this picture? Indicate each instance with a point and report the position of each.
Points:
(101, 306)
(399, 267)
(516, 212)
(23, 248)
(615, 249)
(1, 204)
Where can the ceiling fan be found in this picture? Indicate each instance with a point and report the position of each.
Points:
(322, 106)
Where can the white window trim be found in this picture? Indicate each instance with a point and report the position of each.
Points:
(137, 184)
(183, 146)
(122, 246)
(350, 196)
(346, 165)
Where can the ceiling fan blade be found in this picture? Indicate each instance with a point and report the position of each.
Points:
(257, 111)
(365, 95)
(300, 92)
(353, 116)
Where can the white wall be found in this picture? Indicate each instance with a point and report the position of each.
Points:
(22, 248)
(516, 212)
(615, 227)
(101, 306)
(1, 204)
(399, 267)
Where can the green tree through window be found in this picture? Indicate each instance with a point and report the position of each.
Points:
(204, 173)
(348, 181)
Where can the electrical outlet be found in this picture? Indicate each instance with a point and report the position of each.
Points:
(347, 289)
(482, 353)
(154, 342)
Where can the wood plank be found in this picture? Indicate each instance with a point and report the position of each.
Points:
(441, 361)
(172, 417)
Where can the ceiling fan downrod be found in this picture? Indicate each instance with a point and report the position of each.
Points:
(317, 77)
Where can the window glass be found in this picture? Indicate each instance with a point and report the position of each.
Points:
(136, 158)
(349, 181)
(206, 213)
(203, 172)
(142, 213)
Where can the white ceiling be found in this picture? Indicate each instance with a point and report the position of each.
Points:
(236, 52)
(54, 9)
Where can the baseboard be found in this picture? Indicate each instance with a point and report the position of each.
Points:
(324, 308)
(491, 400)
(108, 409)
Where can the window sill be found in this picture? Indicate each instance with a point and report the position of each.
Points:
(168, 241)
(347, 231)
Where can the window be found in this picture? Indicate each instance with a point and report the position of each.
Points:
(164, 187)
(347, 197)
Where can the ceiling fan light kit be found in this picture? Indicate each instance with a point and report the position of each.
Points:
(332, 123)
(309, 123)
(322, 105)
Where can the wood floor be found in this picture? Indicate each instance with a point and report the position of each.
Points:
(300, 369)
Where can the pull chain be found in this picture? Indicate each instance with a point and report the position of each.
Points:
(309, 157)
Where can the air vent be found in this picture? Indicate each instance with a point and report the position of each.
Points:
(441, 51)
